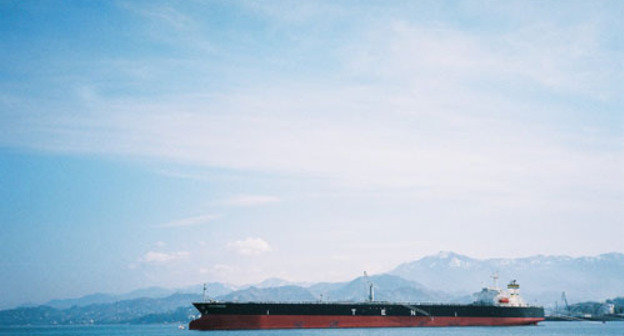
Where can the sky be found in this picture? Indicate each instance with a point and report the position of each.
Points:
(156, 143)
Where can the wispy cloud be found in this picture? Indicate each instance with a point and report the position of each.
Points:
(448, 112)
(446, 124)
(162, 14)
(190, 221)
(218, 269)
(153, 257)
(250, 200)
(250, 246)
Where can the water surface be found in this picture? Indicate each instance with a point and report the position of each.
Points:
(544, 328)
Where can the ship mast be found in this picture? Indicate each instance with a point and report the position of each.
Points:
(204, 293)
(371, 288)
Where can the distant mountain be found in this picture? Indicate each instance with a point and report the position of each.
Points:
(283, 293)
(182, 314)
(325, 288)
(542, 278)
(126, 311)
(148, 292)
(443, 277)
(178, 308)
(99, 298)
(212, 290)
(271, 283)
(387, 288)
(82, 301)
(274, 282)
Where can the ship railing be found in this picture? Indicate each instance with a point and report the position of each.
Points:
(335, 302)
(402, 303)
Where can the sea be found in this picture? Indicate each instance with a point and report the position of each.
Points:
(544, 328)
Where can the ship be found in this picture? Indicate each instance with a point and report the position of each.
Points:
(492, 307)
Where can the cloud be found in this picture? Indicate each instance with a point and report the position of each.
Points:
(190, 221)
(508, 116)
(153, 257)
(163, 15)
(445, 124)
(220, 269)
(250, 246)
(250, 200)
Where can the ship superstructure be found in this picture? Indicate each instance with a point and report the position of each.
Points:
(498, 297)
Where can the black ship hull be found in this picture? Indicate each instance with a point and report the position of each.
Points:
(232, 315)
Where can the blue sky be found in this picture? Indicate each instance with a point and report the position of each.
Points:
(172, 143)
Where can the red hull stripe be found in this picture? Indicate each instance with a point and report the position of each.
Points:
(228, 322)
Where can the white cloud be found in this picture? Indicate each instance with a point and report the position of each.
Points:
(221, 268)
(250, 246)
(153, 257)
(190, 221)
(250, 200)
(434, 131)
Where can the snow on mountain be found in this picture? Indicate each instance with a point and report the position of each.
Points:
(542, 278)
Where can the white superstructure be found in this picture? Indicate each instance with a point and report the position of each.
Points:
(494, 296)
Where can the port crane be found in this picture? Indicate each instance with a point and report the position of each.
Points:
(564, 299)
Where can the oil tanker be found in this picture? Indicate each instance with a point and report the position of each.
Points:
(492, 307)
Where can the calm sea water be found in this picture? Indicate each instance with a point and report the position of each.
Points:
(545, 328)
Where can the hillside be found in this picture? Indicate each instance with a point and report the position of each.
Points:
(543, 278)
(444, 277)
(126, 311)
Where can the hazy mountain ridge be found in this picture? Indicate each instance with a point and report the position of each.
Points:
(387, 287)
(282, 293)
(214, 288)
(275, 282)
(443, 277)
(542, 278)
(124, 311)
(177, 307)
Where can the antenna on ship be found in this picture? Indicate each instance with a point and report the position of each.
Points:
(204, 294)
(495, 279)
(371, 288)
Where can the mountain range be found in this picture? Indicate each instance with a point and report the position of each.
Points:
(542, 278)
(214, 288)
(387, 288)
(125, 311)
(444, 277)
